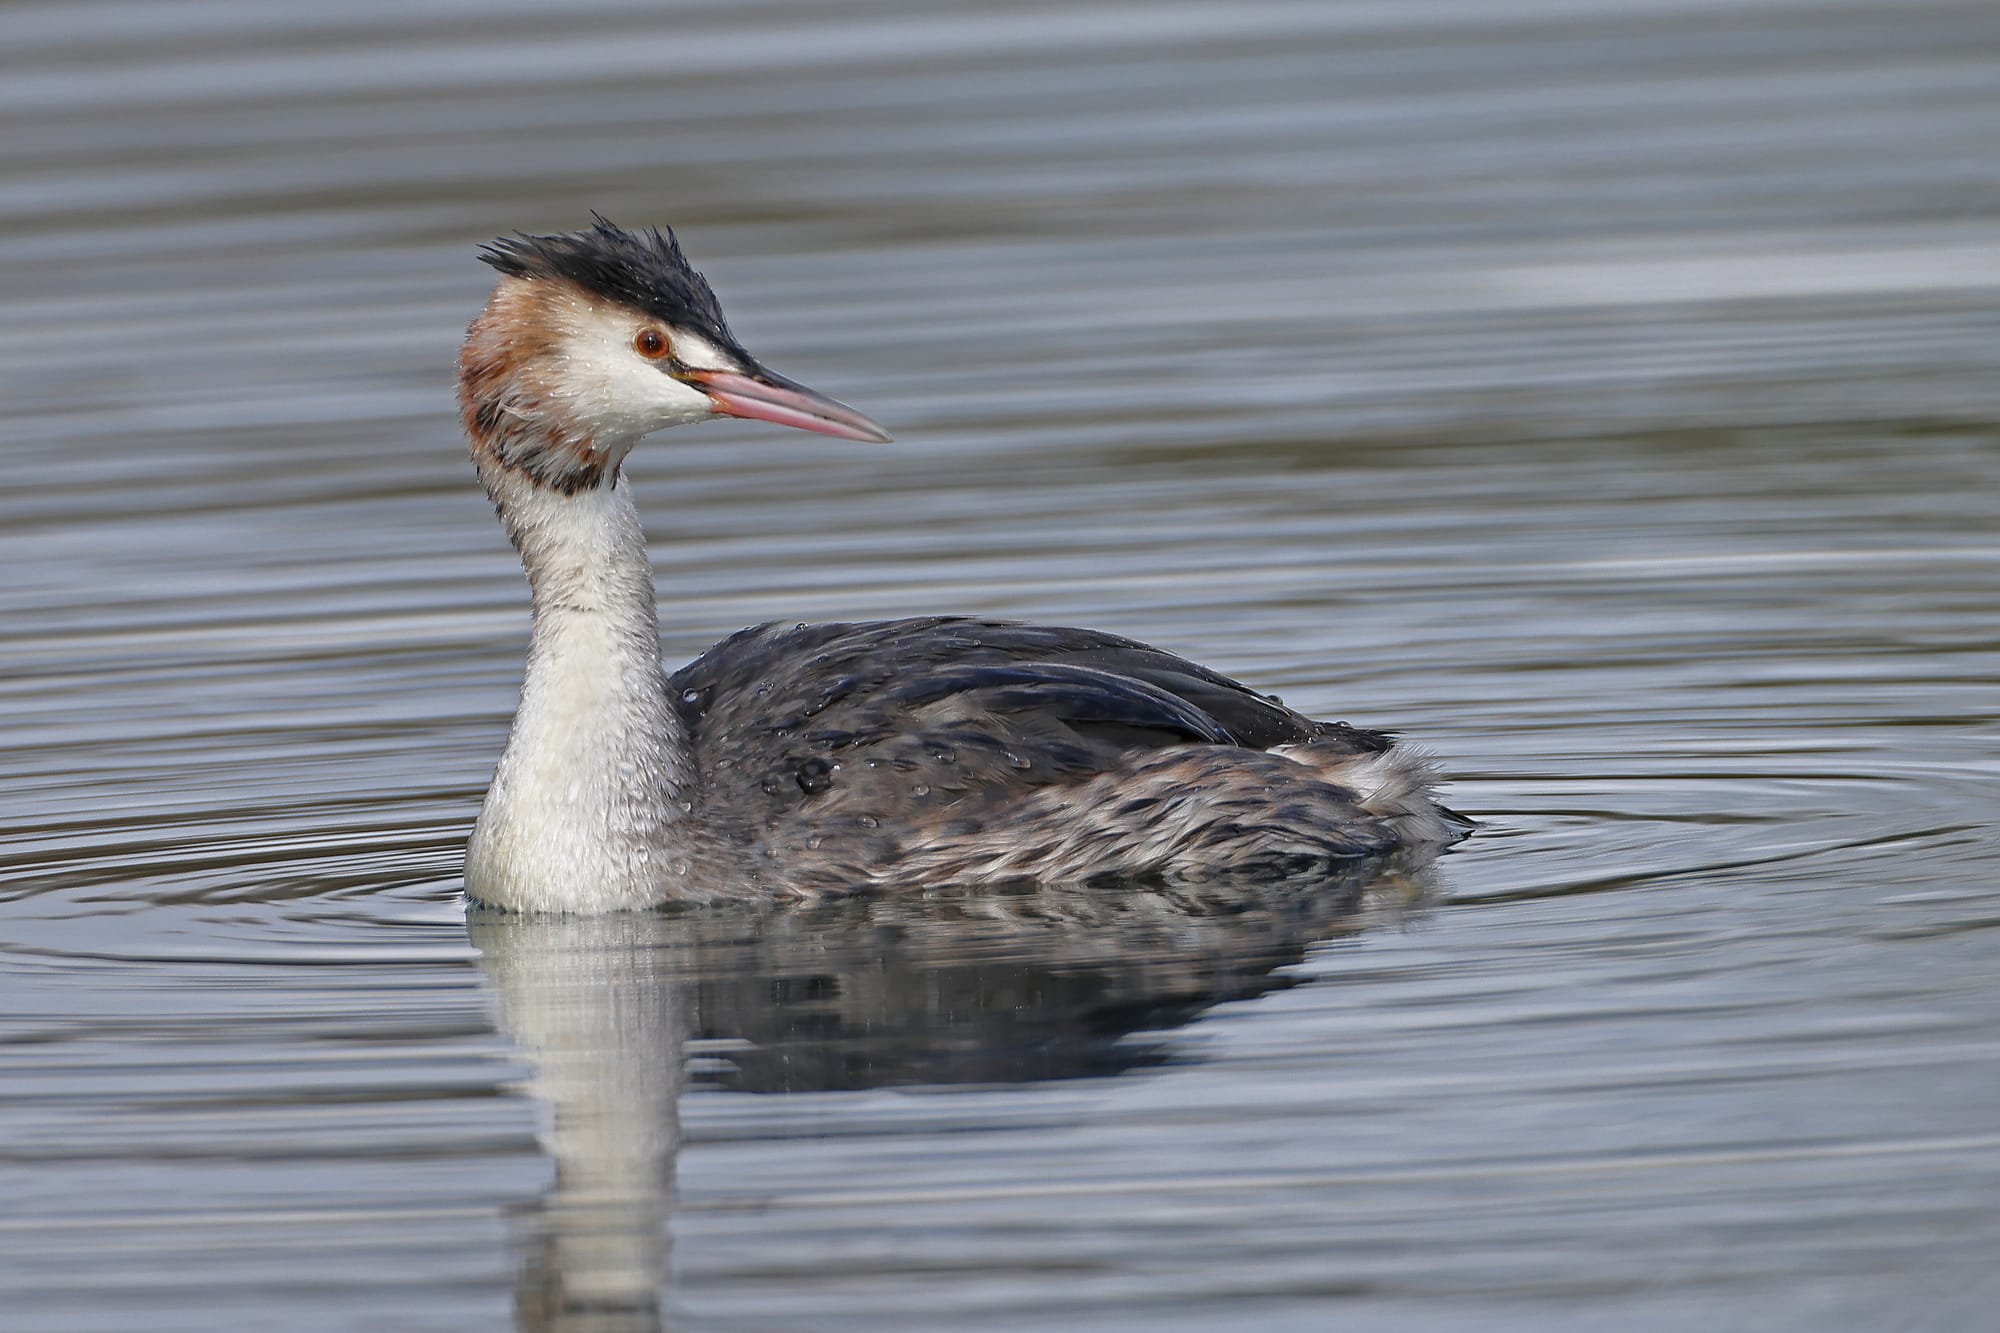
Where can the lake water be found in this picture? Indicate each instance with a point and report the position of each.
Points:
(1605, 395)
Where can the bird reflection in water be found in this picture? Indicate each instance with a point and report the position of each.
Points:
(900, 989)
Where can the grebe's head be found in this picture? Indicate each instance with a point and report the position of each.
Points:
(598, 337)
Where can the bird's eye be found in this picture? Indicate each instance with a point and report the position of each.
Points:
(651, 344)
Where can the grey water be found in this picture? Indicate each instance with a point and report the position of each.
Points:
(1604, 395)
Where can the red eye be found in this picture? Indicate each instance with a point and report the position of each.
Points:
(651, 344)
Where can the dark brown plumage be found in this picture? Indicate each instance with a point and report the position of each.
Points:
(953, 748)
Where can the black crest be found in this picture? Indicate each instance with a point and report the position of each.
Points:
(645, 270)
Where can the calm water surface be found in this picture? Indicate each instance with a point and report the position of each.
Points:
(1605, 395)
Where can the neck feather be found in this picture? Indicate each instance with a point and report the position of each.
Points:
(584, 811)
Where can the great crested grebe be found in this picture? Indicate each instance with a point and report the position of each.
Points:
(799, 760)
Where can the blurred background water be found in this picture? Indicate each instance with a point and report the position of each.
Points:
(1604, 394)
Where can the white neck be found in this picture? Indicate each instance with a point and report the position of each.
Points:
(585, 810)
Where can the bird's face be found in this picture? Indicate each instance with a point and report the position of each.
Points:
(559, 383)
(631, 374)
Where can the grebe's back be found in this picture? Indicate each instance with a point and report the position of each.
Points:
(954, 748)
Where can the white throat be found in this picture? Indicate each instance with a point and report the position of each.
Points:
(585, 809)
